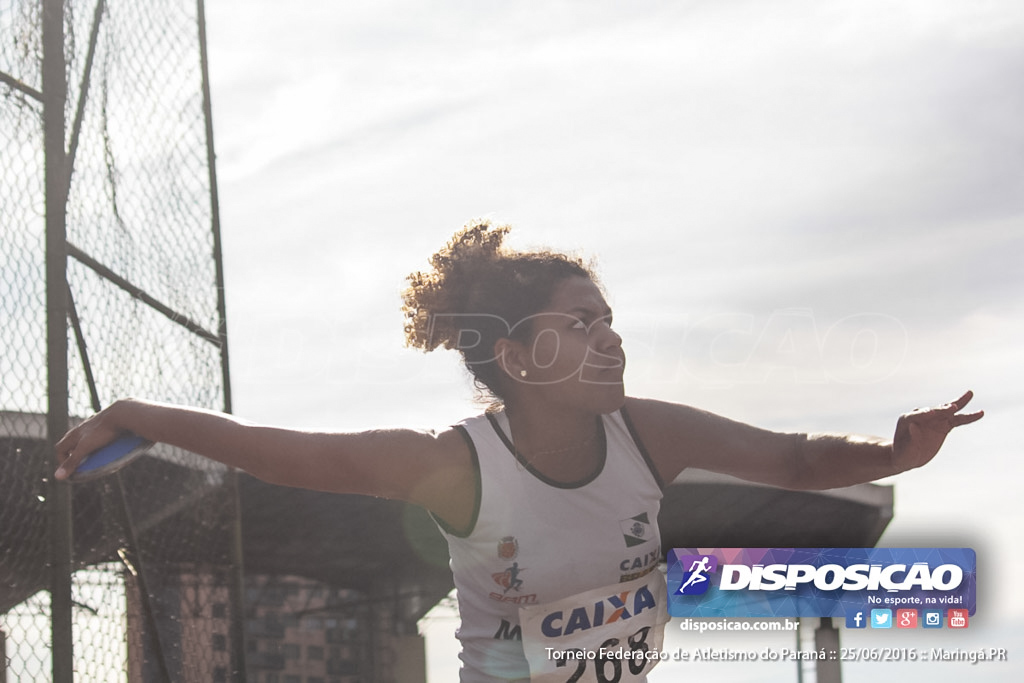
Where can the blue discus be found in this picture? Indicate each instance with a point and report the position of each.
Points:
(111, 457)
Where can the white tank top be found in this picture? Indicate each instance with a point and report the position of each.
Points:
(534, 541)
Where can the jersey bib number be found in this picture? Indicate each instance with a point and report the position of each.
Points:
(606, 635)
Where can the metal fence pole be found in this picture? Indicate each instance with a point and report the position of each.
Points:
(237, 623)
(56, 182)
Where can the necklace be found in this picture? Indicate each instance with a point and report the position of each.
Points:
(522, 459)
(556, 451)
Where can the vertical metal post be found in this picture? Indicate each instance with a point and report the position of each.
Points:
(218, 257)
(799, 647)
(826, 638)
(236, 627)
(237, 623)
(56, 183)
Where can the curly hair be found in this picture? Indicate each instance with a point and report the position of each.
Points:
(476, 292)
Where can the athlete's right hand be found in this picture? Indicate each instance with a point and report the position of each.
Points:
(85, 438)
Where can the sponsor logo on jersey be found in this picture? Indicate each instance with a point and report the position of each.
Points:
(509, 579)
(625, 605)
(506, 631)
(528, 599)
(636, 530)
(640, 565)
(508, 548)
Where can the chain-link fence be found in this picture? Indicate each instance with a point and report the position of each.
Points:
(112, 286)
(106, 172)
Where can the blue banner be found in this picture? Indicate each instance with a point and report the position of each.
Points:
(823, 582)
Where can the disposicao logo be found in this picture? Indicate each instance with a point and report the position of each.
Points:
(696, 579)
(822, 582)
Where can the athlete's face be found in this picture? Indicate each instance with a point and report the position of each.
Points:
(573, 355)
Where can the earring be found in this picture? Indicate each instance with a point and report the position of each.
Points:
(522, 373)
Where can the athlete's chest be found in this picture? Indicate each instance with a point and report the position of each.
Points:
(541, 546)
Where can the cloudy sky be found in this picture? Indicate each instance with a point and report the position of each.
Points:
(807, 215)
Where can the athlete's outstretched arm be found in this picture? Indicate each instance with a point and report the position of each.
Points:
(406, 465)
(678, 437)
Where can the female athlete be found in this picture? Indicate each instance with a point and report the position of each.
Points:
(543, 497)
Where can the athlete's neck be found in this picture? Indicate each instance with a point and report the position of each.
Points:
(565, 446)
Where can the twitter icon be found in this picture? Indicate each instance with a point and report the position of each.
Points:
(881, 618)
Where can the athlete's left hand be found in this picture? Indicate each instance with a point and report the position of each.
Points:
(920, 433)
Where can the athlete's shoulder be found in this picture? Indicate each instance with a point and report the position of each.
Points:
(483, 418)
(450, 485)
(668, 432)
(652, 408)
(450, 447)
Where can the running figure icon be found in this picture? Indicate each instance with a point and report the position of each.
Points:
(698, 570)
(514, 582)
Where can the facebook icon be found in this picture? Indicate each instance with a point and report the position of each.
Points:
(856, 620)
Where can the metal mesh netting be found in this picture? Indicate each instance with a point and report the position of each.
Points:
(23, 543)
(155, 583)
